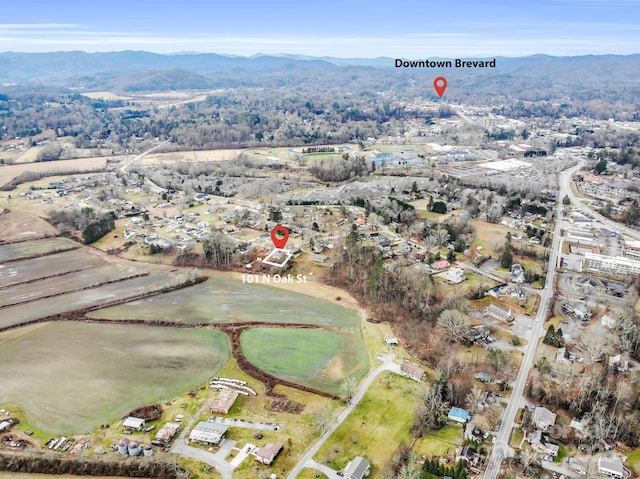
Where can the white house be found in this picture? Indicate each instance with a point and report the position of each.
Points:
(610, 465)
(357, 469)
(455, 276)
(543, 418)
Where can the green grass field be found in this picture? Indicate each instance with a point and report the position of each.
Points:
(225, 299)
(439, 443)
(72, 377)
(317, 358)
(308, 474)
(377, 426)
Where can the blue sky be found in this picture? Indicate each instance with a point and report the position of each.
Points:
(341, 28)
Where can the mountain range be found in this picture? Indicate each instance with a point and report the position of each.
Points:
(146, 71)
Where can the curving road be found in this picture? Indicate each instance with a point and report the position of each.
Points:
(307, 461)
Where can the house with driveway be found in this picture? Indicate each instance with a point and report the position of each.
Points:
(358, 468)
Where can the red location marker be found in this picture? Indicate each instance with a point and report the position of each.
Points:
(279, 236)
(440, 84)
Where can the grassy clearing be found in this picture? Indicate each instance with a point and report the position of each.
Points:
(321, 359)
(225, 299)
(368, 431)
(516, 437)
(634, 460)
(198, 469)
(439, 443)
(72, 377)
(311, 474)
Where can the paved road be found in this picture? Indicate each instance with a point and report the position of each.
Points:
(133, 160)
(307, 461)
(502, 448)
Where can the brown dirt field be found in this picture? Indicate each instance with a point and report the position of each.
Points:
(17, 226)
(195, 156)
(9, 172)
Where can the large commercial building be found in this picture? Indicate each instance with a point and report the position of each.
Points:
(617, 265)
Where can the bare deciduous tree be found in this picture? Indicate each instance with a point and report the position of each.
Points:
(474, 399)
(454, 323)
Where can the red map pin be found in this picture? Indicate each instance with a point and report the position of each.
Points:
(279, 236)
(440, 84)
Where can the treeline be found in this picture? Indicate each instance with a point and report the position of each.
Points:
(91, 224)
(341, 169)
(55, 464)
(319, 149)
(28, 176)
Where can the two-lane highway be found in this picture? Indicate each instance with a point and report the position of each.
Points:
(502, 448)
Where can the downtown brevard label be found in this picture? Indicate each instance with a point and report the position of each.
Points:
(457, 63)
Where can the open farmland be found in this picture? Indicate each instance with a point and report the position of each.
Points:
(27, 270)
(17, 226)
(72, 281)
(130, 288)
(28, 249)
(223, 298)
(9, 172)
(316, 358)
(72, 377)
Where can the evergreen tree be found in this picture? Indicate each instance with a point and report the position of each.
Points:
(506, 258)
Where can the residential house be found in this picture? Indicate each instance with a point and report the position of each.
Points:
(440, 265)
(459, 415)
(543, 418)
(483, 377)
(208, 433)
(610, 465)
(472, 433)
(266, 454)
(455, 276)
(472, 458)
(517, 273)
(540, 442)
(358, 468)
(133, 423)
(619, 362)
(413, 371)
(391, 341)
(563, 356)
(479, 332)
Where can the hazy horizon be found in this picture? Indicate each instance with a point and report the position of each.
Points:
(358, 29)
